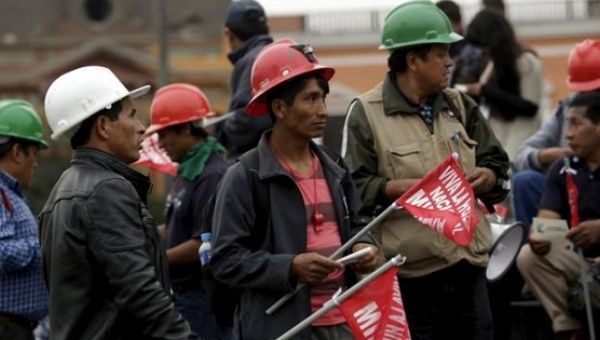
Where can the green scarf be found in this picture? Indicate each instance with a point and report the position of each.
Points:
(194, 162)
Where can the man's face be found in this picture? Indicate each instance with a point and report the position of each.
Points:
(232, 40)
(433, 71)
(27, 165)
(307, 115)
(583, 135)
(173, 143)
(125, 134)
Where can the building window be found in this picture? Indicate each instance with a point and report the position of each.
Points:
(98, 10)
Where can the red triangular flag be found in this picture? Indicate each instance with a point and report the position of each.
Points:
(155, 158)
(376, 310)
(444, 200)
(573, 198)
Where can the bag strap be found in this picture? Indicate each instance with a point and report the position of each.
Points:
(456, 103)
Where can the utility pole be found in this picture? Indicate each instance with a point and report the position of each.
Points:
(163, 44)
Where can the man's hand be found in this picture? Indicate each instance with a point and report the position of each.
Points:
(368, 263)
(539, 247)
(585, 234)
(313, 268)
(481, 180)
(396, 187)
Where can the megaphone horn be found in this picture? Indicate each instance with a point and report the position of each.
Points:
(507, 241)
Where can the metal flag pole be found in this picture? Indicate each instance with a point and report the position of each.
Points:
(396, 261)
(586, 295)
(392, 207)
(214, 120)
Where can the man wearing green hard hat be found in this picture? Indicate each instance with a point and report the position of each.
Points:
(23, 293)
(397, 132)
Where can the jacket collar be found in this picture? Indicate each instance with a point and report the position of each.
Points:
(270, 166)
(101, 159)
(10, 183)
(396, 102)
(249, 44)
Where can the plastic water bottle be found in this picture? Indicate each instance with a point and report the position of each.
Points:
(204, 252)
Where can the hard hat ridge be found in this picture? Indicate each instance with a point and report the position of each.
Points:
(19, 119)
(584, 66)
(416, 22)
(277, 63)
(81, 93)
(177, 104)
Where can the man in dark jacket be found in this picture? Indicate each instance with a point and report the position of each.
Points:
(247, 33)
(102, 256)
(176, 114)
(266, 249)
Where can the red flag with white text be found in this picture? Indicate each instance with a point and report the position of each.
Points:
(376, 310)
(444, 200)
(155, 158)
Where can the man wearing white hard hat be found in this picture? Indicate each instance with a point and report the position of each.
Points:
(103, 261)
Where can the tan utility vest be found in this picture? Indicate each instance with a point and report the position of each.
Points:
(406, 149)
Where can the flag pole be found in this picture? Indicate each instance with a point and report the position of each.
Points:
(586, 295)
(392, 207)
(396, 261)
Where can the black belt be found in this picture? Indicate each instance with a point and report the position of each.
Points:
(19, 320)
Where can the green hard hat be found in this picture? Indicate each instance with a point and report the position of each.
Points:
(19, 119)
(416, 23)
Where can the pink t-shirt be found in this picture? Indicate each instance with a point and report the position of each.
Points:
(323, 239)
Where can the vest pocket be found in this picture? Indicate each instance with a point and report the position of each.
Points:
(406, 161)
(462, 144)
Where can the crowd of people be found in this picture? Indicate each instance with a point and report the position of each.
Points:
(275, 205)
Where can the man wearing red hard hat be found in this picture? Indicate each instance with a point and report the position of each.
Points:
(287, 205)
(176, 114)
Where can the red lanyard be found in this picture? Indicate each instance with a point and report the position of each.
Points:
(572, 193)
(317, 218)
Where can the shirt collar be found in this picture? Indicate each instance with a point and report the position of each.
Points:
(396, 102)
(10, 183)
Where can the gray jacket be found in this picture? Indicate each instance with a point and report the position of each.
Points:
(550, 134)
(103, 261)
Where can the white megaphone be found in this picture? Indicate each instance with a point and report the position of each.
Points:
(507, 240)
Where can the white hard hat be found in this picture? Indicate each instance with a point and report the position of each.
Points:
(79, 94)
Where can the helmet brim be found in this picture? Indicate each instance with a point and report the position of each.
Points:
(140, 91)
(585, 86)
(447, 39)
(258, 106)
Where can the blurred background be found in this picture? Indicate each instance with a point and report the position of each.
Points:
(158, 42)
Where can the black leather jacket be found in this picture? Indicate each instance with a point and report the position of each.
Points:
(103, 261)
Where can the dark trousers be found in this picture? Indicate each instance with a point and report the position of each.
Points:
(193, 306)
(13, 331)
(451, 303)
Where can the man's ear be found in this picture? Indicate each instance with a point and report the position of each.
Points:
(102, 127)
(16, 152)
(279, 108)
(19, 152)
(411, 60)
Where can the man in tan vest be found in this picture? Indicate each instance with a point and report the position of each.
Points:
(398, 131)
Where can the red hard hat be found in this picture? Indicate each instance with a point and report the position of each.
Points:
(584, 66)
(176, 104)
(278, 62)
